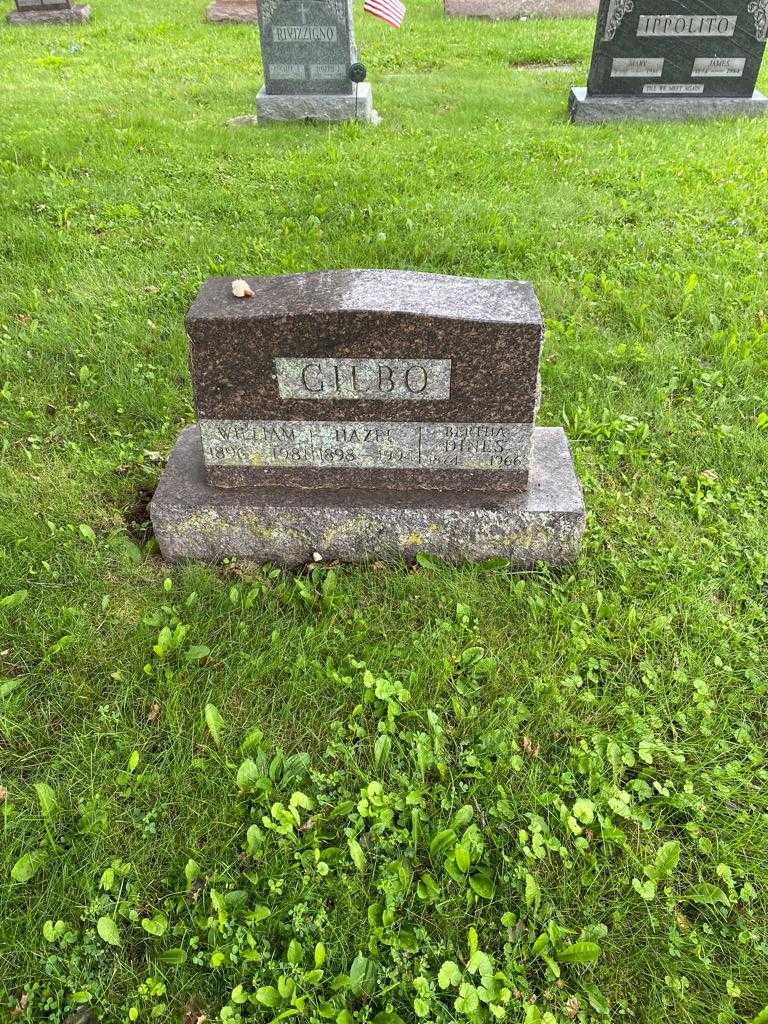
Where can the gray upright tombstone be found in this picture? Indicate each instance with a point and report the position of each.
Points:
(36, 12)
(310, 61)
(367, 414)
(658, 60)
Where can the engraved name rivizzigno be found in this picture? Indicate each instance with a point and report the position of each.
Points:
(287, 443)
(372, 379)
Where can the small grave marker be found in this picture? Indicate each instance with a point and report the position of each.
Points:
(361, 414)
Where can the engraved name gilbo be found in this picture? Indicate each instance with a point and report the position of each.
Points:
(372, 379)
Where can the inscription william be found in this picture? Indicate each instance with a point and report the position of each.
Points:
(286, 443)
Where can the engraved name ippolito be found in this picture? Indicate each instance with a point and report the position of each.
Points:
(292, 443)
(372, 379)
(686, 24)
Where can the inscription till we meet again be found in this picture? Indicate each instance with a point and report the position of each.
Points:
(650, 48)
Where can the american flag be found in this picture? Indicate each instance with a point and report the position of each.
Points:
(391, 11)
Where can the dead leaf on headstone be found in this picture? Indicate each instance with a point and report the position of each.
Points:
(242, 290)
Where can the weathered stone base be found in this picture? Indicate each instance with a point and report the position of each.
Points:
(506, 10)
(272, 108)
(192, 520)
(584, 109)
(246, 12)
(76, 15)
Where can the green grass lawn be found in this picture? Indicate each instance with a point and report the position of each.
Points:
(374, 793)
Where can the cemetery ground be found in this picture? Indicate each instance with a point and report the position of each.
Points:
(378, 793)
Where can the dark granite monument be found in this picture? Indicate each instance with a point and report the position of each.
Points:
(36, 12)
(311, 71)
(654, 60)
(237, 11)
(368, 414)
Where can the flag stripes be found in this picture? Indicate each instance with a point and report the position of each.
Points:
(391, 11)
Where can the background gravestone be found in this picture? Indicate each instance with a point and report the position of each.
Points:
(308, 50)
(246, 11)
(502, 10)
(365, 414)
(29, 12)
(654, 60)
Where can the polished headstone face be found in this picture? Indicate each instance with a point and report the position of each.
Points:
(307, 46)
(671, 49)
(367, 379)
(26, 6)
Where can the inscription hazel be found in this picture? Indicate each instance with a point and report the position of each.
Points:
(491, 446)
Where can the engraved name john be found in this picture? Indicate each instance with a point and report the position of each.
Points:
(372, 379)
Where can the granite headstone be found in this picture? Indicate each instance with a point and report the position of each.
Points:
(237, 11)
(362, 414)
(309, 53)
(655, 60)
(505, 10)
(30, 12)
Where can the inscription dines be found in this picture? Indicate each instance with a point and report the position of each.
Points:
(372, 379)
(686, 24)
(287, 443)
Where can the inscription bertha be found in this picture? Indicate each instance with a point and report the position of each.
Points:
(322, 444)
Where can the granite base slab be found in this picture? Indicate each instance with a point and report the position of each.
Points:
(68, 16)
(193, 520)
(245, 13)
(584, 109)
(271, 108)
